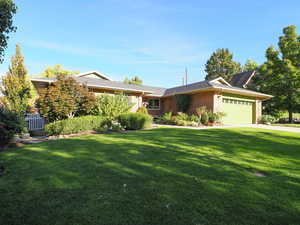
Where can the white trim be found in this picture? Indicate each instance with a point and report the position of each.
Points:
(93, 72)
(253, 73)
(222, 79)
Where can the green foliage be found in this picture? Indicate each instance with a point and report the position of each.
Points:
(280, 74)
(266, 119)
(136, 80)
(221, 64)
(111, 106)
(74, 125)
(212, 117)
(54, 71)
(135, 121)
(143, 109)
(7, 10)
(17, 88)
(166, 118)
(182, 119)
(10, 124)
(204, 118)
(64, 99)
(182, 102)
(250, 65)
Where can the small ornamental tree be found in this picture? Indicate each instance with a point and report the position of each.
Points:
(64, 99)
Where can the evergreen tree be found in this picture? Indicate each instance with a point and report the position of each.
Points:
(17, 88)
(280, 74)
(221, 64)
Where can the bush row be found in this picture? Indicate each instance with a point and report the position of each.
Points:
(128, 121)
(183, 119)
(74, 125)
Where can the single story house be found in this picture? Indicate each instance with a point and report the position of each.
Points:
(240, 105)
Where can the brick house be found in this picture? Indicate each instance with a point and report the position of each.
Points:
(240, 105)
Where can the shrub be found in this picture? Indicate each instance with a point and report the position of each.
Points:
(143, 109)
(74, 125)
(111, 106)
(64, 99)
(204, 118)
(194, 118)
(212, 117)
(201, 110)
(166, 118)
(265, 119)
(10, 124)
(135, 121)
(220, 116)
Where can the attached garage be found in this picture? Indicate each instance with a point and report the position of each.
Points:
(238, 110)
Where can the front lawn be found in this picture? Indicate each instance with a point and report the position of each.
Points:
(163, 176)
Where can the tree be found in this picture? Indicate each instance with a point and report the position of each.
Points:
(136, 80)
(17, 88)
(54, 71)
(7, 11)
(250, 65)
(221, 64)
(280, 74)
(64, 99)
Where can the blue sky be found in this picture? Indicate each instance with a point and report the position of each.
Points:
(154, 39)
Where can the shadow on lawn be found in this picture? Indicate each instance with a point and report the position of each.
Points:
(161, 176)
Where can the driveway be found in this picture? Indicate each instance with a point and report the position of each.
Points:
(288, 129)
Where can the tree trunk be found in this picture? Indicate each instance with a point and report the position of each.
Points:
(290, 116)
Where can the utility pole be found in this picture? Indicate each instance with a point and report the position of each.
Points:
(186, 76)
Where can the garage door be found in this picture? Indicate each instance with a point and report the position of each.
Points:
(237, 111)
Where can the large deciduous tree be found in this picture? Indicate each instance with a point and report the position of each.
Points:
(281, 73)
(7, 11)
(64, 99)
(17, 88)
(221, 64)
(136, 80)
(250, 65)
(54, 71)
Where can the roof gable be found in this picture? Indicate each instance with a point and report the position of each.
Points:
(93, 74)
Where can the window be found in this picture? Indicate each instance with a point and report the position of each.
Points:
(154, 104)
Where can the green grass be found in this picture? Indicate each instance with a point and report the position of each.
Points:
(162, 176)
(286, 125)
(295, 115)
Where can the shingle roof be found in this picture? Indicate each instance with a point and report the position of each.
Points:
(116, 85)
(154, 91)
(241, 79)
(188, 88)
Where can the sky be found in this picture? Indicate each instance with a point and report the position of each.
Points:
(153, 39)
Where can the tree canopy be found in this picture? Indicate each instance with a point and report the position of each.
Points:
(54, 71)
(280, 74)
(17, 88)
(7, 11)
(221, 64)
(136, 80)
(250, 65)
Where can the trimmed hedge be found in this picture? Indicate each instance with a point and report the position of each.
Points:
(135, 121)
(74, 125)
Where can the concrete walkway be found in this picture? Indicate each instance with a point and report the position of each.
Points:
(279, 128)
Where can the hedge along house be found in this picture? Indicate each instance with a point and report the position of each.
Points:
(240, 105)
